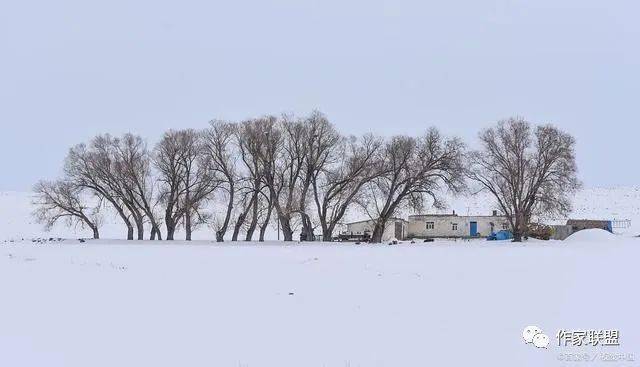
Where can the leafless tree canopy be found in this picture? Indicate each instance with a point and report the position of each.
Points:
(413, 170)
(300, 173)
(529, 170)
(62, 200)
(186, 181)
(132, 166)
(220, 153)
(256, 154)
(322, 145)
(350, 164)
(93, 167)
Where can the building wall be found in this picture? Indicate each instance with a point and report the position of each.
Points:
(443, 225)
(389, 230)
(580, 224)
(560, 232)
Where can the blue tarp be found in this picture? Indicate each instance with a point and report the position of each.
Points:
(500, 236)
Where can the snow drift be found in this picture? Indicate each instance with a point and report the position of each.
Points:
(591, 235)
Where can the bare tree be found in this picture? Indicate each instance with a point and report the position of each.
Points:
(320, 143)
(219, 148)
(185, 178)
(285, 155)
(414, 170)
(133, 169)
(251, 143)
(62, 200)
(93, 167)
(529, 170)
(245, 204)
(254, 214)
(349, 166)
(279, 174)
(267, 209)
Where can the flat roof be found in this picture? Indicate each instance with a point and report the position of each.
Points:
(455, 216)
(372, 220)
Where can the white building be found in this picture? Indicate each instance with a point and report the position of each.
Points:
(453, 225)
(395, 228)
(430, 226)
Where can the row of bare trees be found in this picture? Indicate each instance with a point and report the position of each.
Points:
(302, 174)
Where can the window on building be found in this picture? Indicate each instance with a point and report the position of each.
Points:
(430, 225)
(505, 226)
(454, 226)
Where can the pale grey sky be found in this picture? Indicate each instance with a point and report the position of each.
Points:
(72, 69)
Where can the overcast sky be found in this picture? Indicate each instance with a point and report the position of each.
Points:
(72, 69)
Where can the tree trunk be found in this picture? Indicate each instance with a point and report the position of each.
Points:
(241, 218)
(263, 229)
(90, 224)
(168, 221)
(126, 221)
(307, 228)
(171, 229)
(238, 225)
(265, 224)
(517, 236)
(221, 232)
(287, 232)
(254, 220)
(122, 215)
(517, 229)
(155, 231)
(327, 233)
(129, 231)
(187, 225)
(378, 230)
(140, 228)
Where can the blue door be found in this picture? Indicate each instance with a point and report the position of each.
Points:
(473, 226)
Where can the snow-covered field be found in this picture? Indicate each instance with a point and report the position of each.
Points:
(466, 303)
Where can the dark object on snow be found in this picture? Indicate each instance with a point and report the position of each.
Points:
(428, 240)
(81, 240)
(500, 236)
(291, 293)
(353, 237)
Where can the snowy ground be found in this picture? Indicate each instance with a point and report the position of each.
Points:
(118, 303)
(111, 303)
